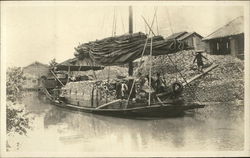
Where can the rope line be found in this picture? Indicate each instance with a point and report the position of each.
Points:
(182, 77)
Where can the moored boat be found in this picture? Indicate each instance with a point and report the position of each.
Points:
(132, 96)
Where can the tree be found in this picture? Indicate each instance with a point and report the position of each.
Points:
(17, 120)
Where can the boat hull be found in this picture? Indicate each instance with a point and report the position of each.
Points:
(169, 110)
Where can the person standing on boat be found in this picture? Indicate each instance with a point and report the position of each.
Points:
(198, 58)
(141, 80)
(124, 90)
(159, 83)
(118, 90)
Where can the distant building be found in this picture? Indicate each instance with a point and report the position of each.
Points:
(193, 39)
(33, 73)
(228, 39)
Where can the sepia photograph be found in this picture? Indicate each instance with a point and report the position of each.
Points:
(125, 78)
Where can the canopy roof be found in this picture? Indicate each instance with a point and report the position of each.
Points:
(78, 65)
(126, 48)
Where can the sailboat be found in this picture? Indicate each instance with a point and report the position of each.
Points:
(123, 97)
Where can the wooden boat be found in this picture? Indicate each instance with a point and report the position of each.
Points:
(121, 108)
(131, 109)
(88, 95)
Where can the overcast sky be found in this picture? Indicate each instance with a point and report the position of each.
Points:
(35, 32)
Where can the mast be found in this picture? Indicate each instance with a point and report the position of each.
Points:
(130, 65)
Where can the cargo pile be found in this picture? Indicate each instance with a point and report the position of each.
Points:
(111, 72)
(224, 83)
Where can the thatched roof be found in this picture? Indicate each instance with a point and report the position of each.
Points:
(234, 27)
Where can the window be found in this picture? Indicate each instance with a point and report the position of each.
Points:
(34, 81)
(218, 46)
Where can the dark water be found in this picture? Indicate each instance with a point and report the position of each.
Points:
(217, 127)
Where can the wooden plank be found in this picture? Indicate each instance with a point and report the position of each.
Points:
(45, 91)
(107, 104)
(56, 77)
(199, 75)
(192, 79)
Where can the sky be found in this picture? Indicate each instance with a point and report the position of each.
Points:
(34, 32)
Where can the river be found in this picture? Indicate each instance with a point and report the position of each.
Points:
(217, 127)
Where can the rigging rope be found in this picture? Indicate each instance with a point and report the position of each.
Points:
(169, 22)
(175, 61)
(123, 27)
(157, 25)
(102, 26)
(114, 23)
(183, 77)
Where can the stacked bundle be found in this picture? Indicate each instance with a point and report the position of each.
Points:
(82, 92)
(125, 48)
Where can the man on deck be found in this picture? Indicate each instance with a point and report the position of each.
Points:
(198, 58)
(159, 84)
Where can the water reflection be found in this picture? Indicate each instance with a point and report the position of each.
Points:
(216, 127)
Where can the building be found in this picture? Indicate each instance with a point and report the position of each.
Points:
(228, 39)
(33, 73)
(193, 39)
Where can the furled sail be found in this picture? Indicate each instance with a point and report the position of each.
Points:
(125, 48)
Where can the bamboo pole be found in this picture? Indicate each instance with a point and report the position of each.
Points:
(148, 25)
(56, 77)
(150, 72)
(130, 25)
(68, 74)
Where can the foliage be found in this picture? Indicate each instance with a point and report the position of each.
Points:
(52, 63)
(14, 81)
(17, 120)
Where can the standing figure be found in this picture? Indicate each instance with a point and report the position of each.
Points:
(124, 90)
(198, 58)
(118, 90)
(159, 84)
